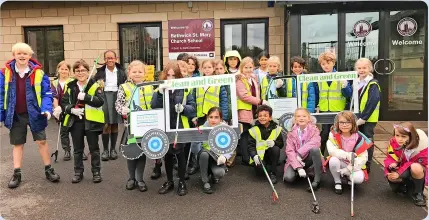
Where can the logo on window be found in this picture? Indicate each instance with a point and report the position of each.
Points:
(207, 25)
(407, 27)
(362, 28)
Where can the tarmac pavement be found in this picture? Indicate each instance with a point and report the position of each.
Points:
(239, 195)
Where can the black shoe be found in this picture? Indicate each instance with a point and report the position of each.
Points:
(51, 175)
(142, 186)
(181, 190)
(156, 172)
(207, 188)
(105, 155)
(402, 190)
(338, 191)
(15, 180)
(131, 183)
(315, 185)
(77, 177)
(192, 170)
(96, 177)
(67, 155)
(84, 157)
(166, 187)
(418, 199)
(273, 178)
(113, 154)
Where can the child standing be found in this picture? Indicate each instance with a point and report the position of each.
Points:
(232, 61)
(345, 142)
(333, 95)
(210, 163)
(405, 166)
(220, 67)
(248, 99)
(136, 74)
(82, 104)
(186, 110)
(26, 100)
(369, 102)
(58, 87)
(193, 67)
(276, 89)
(265, 142)
(211, 96)
(309, 91)
(303, 149)
(262, 71)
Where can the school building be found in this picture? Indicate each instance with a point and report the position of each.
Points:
(392, 34)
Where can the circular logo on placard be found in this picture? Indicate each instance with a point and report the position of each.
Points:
(286, 121)
(407, 27)
(223, 139)
(155, 144)
(207, 25)
(362, 28)
(131, 151)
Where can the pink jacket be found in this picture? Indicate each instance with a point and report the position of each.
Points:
(395, 155)
(243, 94)
(293, 147)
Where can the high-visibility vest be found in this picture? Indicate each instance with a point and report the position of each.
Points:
(264, 88)
(183, 118)
(243, 105)
(364, 100)
(38, 77)
(330, 97)
(261, 145)
(145, 94)
(55, 84)
(304, 92)
(391, 152)
(91, 113)
(207, 99)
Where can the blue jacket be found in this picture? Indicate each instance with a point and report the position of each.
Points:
(313, 93)
(224, 102)
(38, 122)
(176, 97)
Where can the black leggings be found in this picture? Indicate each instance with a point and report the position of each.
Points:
(181, 160)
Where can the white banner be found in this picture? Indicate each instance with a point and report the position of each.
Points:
(198, 55)
(282, 106)
(143, 121)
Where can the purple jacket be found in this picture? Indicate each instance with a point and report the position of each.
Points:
(293, 147)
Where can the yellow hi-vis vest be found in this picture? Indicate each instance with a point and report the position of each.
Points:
(207, 99)
(264, 88)
(363, 101)
(91, 113)
(304, 95)
(243, 105)
(145, 94)
(261, 145)
(55, 84)
(38, 77)
(330, 97)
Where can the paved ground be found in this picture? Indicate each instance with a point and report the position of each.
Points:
(240, 195)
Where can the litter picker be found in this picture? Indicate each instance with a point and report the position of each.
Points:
(275, 196)
(353, 185)
(315, 206)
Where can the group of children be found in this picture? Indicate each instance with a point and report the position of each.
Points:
(90, 106)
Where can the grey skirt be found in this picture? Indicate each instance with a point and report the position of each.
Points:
(110, 114)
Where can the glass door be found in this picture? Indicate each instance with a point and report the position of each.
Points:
(402, 72)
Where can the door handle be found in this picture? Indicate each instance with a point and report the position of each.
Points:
(386, 69)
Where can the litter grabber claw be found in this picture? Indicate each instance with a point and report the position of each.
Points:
(315, 206)
(274, 195)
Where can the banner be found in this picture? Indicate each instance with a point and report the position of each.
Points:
(143, 121)
(320, 77)
(216, 80)
(193, 36)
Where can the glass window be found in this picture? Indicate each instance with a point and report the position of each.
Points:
(361, 37)
(319, 33)
(48, 46)
(143, 42)
(406, 53)
(248, 37)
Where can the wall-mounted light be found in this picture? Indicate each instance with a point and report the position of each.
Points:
(189, 4)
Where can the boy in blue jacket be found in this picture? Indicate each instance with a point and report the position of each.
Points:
(26, 99)
(309, 91)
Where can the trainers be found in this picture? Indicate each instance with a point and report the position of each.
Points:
(105, 155)
(131, 183)
(67, 155)
(96, 177)
(15, 180)
(142, 186)
(77, 177)
(166, 187)
(418, 199)
(113, 155)
(182, 190)
(207, 188)
(273, 178)
(51, 175)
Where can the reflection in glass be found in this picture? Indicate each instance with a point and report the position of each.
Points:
(361, 37)
(35, 40)
(55, 49)
(130, 44)
(255, 39)
(152, 47)
(407, 51)
(233, 37)
(319, 33)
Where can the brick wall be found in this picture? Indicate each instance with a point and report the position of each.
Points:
(92, 27)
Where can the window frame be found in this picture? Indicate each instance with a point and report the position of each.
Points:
(140, 26)
(244, 22)
(44, 30)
